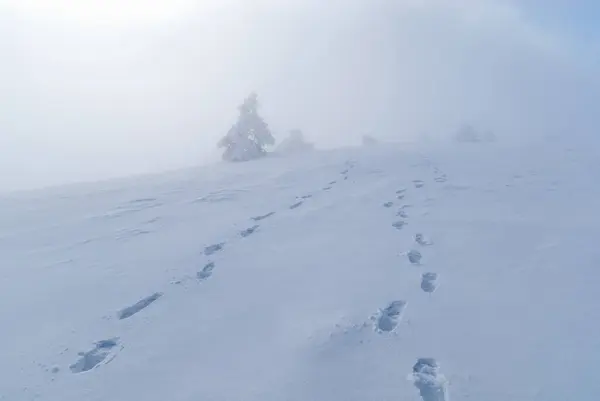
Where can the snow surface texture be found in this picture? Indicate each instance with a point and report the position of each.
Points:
(286, 279)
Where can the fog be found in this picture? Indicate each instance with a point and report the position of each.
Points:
(91, 95)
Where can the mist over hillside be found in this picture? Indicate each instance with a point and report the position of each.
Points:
(106, 89)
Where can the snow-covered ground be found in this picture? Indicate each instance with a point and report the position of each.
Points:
(303, 278)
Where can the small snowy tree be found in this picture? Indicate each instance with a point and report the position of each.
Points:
(469, 134)
(368, 140)
(247, 138)
(295, 143)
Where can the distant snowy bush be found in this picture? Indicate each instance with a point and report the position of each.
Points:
(247, 138)
(295, 143)
(368, 140)
(468, 134)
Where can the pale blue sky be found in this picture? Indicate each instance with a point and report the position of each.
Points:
(577, 21)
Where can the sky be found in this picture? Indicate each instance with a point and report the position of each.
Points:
(93, 89)
(575, 19)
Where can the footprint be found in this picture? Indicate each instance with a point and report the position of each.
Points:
(402, 213)
(432, 385)
(206, 272)
(138, 306)
(400, 191)
(388, 319)
(429, 282)
(143, 200)
(399, 225)
(441, 179)
(296, 205)
(421, 240)
(102, 353)
(400, 197)
(262, 217)
(249, 231)
(326, 188)
(305, 196)
(414, 257)
(332, 183)
(418, 183)
(345, 178)
(388, 204)
(344, 172)
(211, 249)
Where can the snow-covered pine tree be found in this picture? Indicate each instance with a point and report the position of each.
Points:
(247, 138)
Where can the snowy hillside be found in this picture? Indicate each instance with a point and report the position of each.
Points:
(390, 273)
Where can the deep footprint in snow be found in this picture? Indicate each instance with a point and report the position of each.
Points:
(296, 205)
(249, 231)
(206, 272)
(388, 318)
(399, 225)
(211, 249)
(418, 183)
(402, 213)
(429, 282)
(432, 385)
(138, 306)
(262, 217)
(414, 257)
(421, 240)
(102, 353)
(388, 204)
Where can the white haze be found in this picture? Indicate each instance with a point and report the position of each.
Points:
(86, 101)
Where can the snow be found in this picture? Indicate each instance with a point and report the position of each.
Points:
(288, 279)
